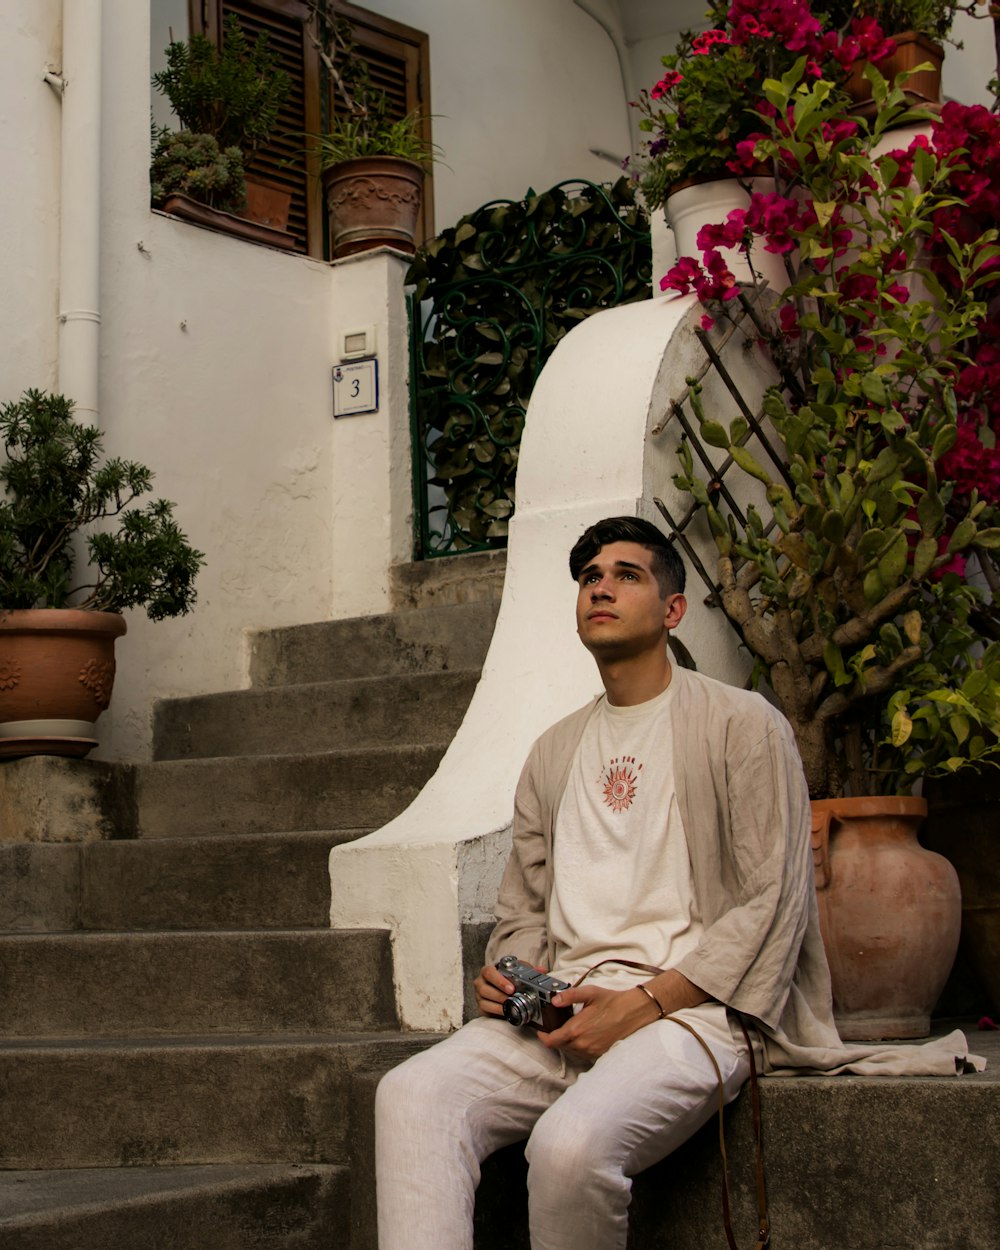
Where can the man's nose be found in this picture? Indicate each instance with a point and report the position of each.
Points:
(600, 590)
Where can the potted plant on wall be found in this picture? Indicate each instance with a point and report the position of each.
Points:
(918, 30)
(227, 101)
(372, 162)
(850, 578)
(57, 630)
(700, 115)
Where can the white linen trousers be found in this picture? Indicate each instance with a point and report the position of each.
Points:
(590, 1128)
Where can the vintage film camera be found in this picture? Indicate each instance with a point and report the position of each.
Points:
(531, 1002)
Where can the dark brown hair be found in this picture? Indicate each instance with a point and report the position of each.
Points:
(667, 566)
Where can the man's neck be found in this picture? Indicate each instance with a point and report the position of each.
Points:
(633, 681)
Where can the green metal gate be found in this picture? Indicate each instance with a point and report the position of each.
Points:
(493, 296)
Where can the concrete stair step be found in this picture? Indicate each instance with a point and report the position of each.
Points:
(287, 1207)
(256, 881)
(452, 637)
(154, 1102)
(859, 1163)
(348, 789)
(471, 576)
(329, 716)
(121, 985)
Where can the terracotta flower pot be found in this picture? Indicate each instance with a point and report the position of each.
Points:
(215, 219)
(373, 201)
(57, 668)
(889, 913)
(912, 49)
(268, 203)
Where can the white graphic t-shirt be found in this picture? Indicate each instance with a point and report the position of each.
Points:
(621, 872)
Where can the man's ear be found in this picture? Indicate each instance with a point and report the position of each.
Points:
(673, 611)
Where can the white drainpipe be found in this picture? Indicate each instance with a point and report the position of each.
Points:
(80, 207)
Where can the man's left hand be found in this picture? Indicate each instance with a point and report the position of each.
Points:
(605, 1018)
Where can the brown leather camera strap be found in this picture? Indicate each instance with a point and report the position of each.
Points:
(763, 1222)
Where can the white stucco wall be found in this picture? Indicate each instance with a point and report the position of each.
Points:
(215, 355)
(521, 90)
(969, 68)
(29, 194)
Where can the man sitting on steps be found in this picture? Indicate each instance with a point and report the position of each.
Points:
(666, 823)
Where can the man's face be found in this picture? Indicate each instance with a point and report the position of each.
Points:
(620, 609)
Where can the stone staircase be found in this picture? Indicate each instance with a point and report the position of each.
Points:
(183, 1039)
(188, 1055)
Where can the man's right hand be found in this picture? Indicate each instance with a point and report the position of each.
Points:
(491, 988)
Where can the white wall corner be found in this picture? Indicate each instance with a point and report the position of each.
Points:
(414, 892)
(371, 498)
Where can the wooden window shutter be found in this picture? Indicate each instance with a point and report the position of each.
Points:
(399, 61)
(284, 21)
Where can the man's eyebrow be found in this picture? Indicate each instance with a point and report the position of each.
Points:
(618, 564)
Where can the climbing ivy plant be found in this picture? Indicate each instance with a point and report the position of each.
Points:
(493, 296)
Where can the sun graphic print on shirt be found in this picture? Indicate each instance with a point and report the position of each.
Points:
(619, 781)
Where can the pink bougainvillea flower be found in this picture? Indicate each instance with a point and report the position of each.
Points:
(681, 277)
(858, 288)
(707, 322)
(711, 282)
(730, 233)
(971, 466)
(866, 42)
(789, 22)
(839, 130)
(788, 318)
(874, 44)
(721, 283)
(776, 218)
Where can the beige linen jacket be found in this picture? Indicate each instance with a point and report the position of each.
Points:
(745, 810)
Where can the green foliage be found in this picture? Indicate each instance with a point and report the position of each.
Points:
(55, 486)
(933, 18)
(944, 714)
(192, 164)
(234, 94)
(503, 287)
(842, 587)
(375, 133)
(364, 121)
(710, 112)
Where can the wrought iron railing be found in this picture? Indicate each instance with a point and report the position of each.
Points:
(494, 295)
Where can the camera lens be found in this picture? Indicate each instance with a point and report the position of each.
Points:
(520, 1009)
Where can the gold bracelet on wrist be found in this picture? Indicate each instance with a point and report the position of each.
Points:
(652, 998)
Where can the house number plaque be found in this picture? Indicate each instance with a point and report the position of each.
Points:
(355, 388)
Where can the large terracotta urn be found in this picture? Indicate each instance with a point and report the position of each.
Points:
(57, 667)
(890, 913)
